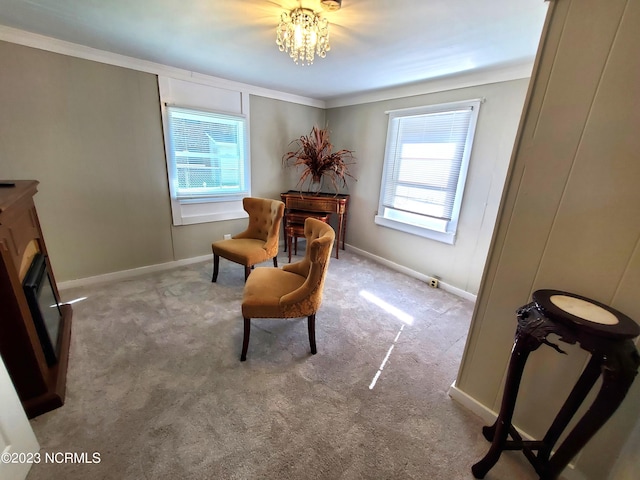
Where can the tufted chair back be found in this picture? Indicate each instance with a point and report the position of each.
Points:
(265, 217)
(293, 291)
(258, 243)
(306, 299)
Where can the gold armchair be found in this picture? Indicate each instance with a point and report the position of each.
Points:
(258, 243)
(295, 290)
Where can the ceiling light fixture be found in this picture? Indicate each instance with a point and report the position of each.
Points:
(303, 33)
(331, 5)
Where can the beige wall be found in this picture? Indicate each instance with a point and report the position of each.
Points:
(77, 125)
(91, 134)
(363, 128)
(570, 218)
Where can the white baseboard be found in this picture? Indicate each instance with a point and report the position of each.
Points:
(412, 273)
(134, 272)
(485, 413)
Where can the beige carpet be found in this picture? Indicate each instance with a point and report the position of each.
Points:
(156, 388)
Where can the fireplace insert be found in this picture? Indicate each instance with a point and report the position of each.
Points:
(44, 306)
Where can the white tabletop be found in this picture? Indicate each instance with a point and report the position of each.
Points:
(583, 309)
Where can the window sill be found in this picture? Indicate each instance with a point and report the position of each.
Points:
(188, 213)
(444, 237)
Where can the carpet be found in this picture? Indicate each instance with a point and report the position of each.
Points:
(155, 386)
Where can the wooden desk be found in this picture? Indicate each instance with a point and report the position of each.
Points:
(318, 202)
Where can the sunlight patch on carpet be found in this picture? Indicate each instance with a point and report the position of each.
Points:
(384, 362)
(70, 302)
(387, 307)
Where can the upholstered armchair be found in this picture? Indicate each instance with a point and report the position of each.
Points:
(258, 243)
(295, 290)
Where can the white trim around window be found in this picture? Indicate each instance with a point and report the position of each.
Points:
(425, 168)
(217, 197)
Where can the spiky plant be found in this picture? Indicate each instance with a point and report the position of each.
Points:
(314, 153)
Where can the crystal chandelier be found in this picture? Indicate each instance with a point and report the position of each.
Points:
(303, 34)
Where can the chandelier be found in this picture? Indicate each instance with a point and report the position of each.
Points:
(303, 34)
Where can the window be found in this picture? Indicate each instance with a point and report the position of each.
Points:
(207, 155)
(425, 167)
(206, 137)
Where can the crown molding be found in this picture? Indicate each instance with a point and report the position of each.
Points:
(50, 44)
(452, 82)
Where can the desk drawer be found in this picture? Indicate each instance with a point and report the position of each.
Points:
(298, 217)
(314, 204)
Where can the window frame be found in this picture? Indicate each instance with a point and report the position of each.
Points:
(208, 196)
(223, 100)
(438, 229)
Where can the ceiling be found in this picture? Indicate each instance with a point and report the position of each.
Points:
(375, 44)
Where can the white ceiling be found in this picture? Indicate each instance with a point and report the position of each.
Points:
(375, 44)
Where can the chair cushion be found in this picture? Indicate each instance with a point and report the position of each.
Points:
(245, 251)
(263, 290)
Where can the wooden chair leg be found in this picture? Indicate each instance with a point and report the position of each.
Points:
(245, 339)
(275, 262)
(284, 233)
(289, 243)
(216, 264)
(311, 323)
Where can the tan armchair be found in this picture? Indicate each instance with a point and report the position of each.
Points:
(258, 243)
(295, 290)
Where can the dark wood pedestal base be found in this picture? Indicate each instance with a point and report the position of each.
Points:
(613, 355)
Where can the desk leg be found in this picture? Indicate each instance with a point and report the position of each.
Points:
(284, 230)
(344, 228)
(340, 233)
(499, 431)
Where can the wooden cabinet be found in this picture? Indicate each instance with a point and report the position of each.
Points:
(39, 381)
(297, 203)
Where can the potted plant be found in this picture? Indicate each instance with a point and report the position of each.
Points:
(314, 153)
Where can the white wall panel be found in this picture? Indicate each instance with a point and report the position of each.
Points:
(570, 219)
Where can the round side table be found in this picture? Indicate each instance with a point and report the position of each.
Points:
(601, 330)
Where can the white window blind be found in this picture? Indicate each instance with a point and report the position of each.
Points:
(207, 154)
(426, 159)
